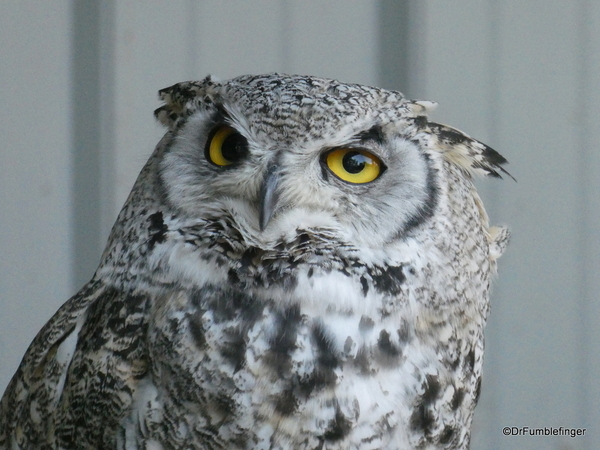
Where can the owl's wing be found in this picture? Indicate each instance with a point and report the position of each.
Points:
(72, 384)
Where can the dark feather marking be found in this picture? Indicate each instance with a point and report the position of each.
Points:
(348, 345)
(388, 354)
(432, 389)
(388, 280)
(365, 285)
(251, 309)
(157, 229)
(493, 157)
(496, 160)
(362, 361)
(477, 390)
(450, 136)
(470, 360)
(232, 277)
(273, 271)
(457, 398)
(225, 247)
(283, 342)
(375, 134)
(303, 238)
(224, 404)
(421, 122)
(447, 435)
(422, 417)
(366, 323)
(428, 206)
(248, 257)
(317, 380)
(327, 359)
(492, 160)
(234, 348)
(227, 305)
(386, 346)
(404, 332)
(286, 403)
(197, 329)
(454, 364)
(338, 428)
(324, 172)
(119, 319)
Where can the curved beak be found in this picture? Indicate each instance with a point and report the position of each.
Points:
(269, 196)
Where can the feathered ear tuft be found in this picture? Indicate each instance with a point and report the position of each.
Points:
(182, 100)
(473, 156)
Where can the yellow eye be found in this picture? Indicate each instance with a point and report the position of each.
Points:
(225, 146)
(354, 165)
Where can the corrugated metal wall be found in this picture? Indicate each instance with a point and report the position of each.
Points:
(35, 171)
(79, 83)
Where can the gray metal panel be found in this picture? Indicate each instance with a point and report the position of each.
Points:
(35, 163)
(588, 155)
(537, 328)
(151, 51)
(396, 21)
(238, 37)
(335, 38)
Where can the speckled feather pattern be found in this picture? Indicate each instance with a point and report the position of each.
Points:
(354, 320)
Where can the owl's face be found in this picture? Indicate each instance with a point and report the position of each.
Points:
(275, 158)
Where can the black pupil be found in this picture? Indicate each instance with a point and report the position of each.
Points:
(354, 162)
(234, 147)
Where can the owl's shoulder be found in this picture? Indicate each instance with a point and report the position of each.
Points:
(74, 355)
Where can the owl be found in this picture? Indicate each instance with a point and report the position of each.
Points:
(302, 264)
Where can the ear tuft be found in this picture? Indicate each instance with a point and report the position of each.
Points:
(182, 100)
(473, 156)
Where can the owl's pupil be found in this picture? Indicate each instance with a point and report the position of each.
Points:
(354, 162)
(234, 147)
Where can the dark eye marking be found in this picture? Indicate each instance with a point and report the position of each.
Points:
(375, 134)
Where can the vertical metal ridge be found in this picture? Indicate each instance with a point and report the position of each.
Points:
(285, 57)
(107, 122)
(394, 42)
(91, 72)
(192, 43)
(587, 414)
(402, 55)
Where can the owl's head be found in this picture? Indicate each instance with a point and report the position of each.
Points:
(276, 154)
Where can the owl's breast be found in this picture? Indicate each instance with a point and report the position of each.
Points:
(324, 358)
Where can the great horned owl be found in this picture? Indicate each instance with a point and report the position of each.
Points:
(301, 264)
